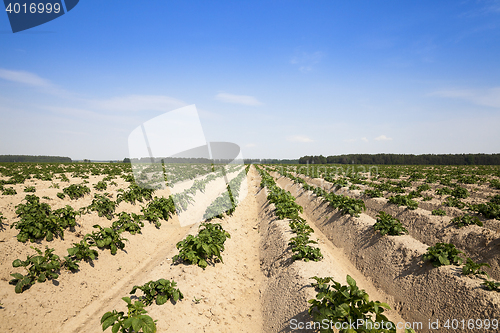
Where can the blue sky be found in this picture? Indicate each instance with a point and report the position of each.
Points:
(281, 79)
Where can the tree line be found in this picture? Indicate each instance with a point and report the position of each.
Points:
(405, 159)
(34, 159)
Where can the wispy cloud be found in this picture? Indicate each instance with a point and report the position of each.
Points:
(250, 145)
(134, 103)
(485, 97)
(24, 78)
(305, 61)
(383, 138)
(31, 79)
(237, 99)
(299, 138)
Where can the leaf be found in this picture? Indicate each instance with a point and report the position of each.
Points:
(351, 281)
(116, 327)
(136, 324)
(108, 321)
(17, 263)
(149, 325)
(41, 278)
(106, 316)
(18, 276)
(161, 299)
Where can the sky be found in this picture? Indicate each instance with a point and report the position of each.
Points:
(281, 79)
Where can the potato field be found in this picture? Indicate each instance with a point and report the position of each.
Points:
(87, 247)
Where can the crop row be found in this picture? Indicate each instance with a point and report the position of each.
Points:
(439, 254)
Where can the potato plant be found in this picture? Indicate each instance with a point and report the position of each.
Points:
(103, 206)
(101, 185)
(82, 251)
(159, 291)
(76, 191)
(135, 193)
(37, 221)
(204, 247)
(402, 200)
(39, 268)
(438, 212)
(30, 189)
(136, 319)
(471, 267)
(443, 254)
(336, 303)
(465, 220)
(107, 238)
(131, 223)
(159, 208)
(389, 225)
(302, 250)
(9, 191)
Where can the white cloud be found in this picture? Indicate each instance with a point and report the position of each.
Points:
(136, 103)
(382, 138)
(25, 78)
(250, 145)
(299, 138)
(237, 99)
(364, 139)
(306, 60)
(485, 97)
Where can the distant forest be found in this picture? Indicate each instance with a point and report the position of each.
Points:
(34, 159)
(394, 159)
(269, 161)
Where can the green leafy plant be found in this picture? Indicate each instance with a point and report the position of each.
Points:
(490, 210)
(66, 216)
(389, 225)
(103, 206)
(438, 212)
(491, 285)
(76, 191)
(131, 223)
(402, 200)
(444, 191)
(460, 192)
(158, 208)
(465, 220)
(160, 291)
(443, 254)
(107, 238)
(39, 268)
(36, 221)
(427, 198)
(30, 189)
(423, 187)
(454, 202)
(204, 247)
(136, 319)
(135, 193)
(101, 185)
(374, 193)
(302, 250)
(9, 191)
(82, 251)
(61, 195)
(471, 267)
(336, 303)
